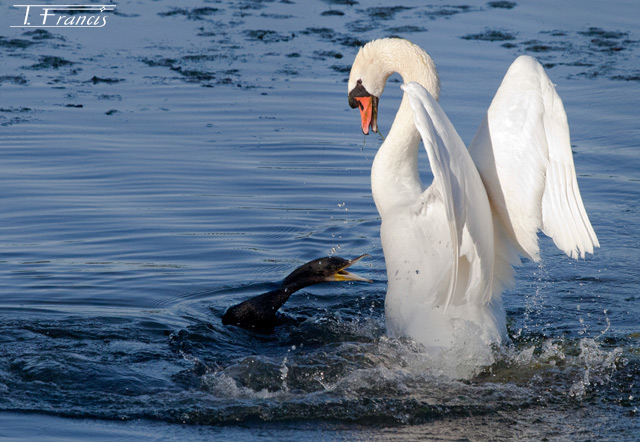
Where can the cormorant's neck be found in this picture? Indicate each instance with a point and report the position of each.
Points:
(276, 298)
(293, 283)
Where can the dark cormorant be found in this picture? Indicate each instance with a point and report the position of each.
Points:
(259, 312)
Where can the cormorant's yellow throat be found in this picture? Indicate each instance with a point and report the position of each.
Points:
(260, 311)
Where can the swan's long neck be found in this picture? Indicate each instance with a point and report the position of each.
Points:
(394, 175)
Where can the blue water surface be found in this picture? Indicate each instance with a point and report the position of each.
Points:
(186, 156)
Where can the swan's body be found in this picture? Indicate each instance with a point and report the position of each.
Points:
(450, 248)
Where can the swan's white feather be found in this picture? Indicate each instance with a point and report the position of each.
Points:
(523, 153)
(463, 195)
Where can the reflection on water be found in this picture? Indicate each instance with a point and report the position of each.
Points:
(186, 157)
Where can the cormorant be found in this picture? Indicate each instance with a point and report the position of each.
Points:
(259, 312)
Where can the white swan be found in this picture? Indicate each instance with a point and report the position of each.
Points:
(449, 249)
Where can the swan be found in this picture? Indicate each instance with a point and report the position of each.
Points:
(450, 248)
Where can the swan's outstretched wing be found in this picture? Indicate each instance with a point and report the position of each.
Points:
(523, 153)
(459, 187)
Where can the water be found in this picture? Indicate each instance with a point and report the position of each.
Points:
(185, 157)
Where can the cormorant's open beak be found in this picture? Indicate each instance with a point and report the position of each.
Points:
(343, 275)
(369, 113)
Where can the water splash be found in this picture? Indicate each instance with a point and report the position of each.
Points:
(596, 367)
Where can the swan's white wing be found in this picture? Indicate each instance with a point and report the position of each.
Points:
(466, 205)
(523, 153)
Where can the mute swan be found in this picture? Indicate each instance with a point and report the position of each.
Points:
(449, 249)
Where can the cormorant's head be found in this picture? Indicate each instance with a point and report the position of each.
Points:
(332, 268)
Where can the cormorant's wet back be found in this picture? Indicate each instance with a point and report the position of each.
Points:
(259, 312)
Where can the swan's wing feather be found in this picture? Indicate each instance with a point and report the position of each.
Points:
(523, 153)
(442, 177)
(564, 217)
(466, 203)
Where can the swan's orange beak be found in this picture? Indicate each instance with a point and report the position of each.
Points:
(369, 113)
